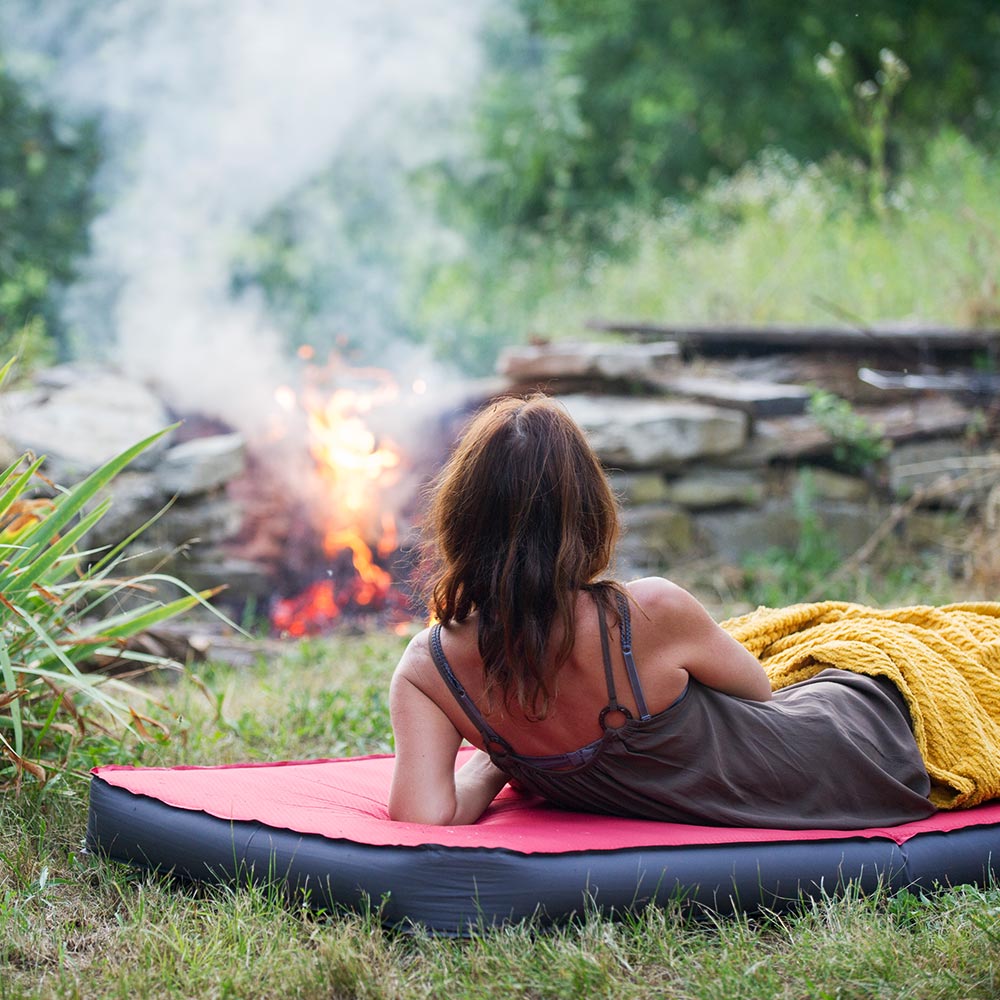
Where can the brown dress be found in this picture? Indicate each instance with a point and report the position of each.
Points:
(833, 752)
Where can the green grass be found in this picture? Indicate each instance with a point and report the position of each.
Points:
(779, 242)
(786, 242)
(74, 926)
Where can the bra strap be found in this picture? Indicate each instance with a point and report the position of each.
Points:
(625, 629)
(493, 742)
(609, 674)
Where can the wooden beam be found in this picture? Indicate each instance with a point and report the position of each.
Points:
(910, 337)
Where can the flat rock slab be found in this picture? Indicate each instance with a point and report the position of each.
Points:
(801, 436)
(654, 536)
(202, 464)
(636, 433)
(831, 485)
(705, 489)
(733, 534)
(955, 473)
(761, 399)
(576, 360)
(82, 423)
(889, 336)
(135, 498)
(642, 487)
(939, 416)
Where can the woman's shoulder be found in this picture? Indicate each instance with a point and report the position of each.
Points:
(416, 657)
(417, 664)
(670, 608)
(655, 595)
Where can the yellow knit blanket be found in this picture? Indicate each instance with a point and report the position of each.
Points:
(945, 661)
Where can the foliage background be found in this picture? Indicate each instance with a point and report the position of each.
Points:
(604, 102)
(47, 200)
(634, 158)
(604, 135)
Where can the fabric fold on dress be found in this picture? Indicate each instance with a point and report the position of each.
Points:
(944, 660)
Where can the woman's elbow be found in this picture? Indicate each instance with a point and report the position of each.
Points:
(759, 688)
(422, 811)
(758, 684)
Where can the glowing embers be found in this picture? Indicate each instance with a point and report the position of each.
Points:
(355, 465)
(318, 608)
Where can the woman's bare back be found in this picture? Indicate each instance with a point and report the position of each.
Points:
(663, 634)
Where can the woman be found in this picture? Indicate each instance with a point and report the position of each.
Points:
(607, 698)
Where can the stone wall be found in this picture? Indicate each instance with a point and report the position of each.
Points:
(217, 509)
(711, 455)
(79, 417)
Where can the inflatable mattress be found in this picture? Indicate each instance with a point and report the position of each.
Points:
(321, 830)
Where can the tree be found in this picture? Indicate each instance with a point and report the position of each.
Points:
(47, 200)
(635, 100)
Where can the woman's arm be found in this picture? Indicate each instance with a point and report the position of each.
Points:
(699, 644)
(425, 786)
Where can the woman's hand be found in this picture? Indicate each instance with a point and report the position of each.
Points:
(477, 783)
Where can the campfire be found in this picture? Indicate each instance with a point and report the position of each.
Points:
(339, 547)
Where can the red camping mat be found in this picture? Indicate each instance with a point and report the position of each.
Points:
(346, 799)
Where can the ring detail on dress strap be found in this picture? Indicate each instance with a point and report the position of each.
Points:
(496, 746)
(607, 710)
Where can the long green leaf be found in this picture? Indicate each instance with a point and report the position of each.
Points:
(124, 627)
(108, 560)
(46, 639)
(10, 470)
(17, 488)
(10, 682)
(97, 686)
(40, 734)
(93, 685)
(35, 571)
(69, 504)
(6, 369)
(202, 597)
(134, 655)
(72, 677)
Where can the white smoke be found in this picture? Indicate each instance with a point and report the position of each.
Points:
(214, 110)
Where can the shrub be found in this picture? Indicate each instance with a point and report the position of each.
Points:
(61, 606)
(856, 444)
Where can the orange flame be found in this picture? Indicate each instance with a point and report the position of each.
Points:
(348, 455)
(374, 581)
(354, 466)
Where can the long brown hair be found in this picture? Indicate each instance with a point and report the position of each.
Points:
(521, 519)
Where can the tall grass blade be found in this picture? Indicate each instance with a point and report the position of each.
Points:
(10, 470)
(104, 564)
(42, 634)
(36, 570)
(14, 492)
(10, 683)
(70, 503)
(201, 597)
(130, 624)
